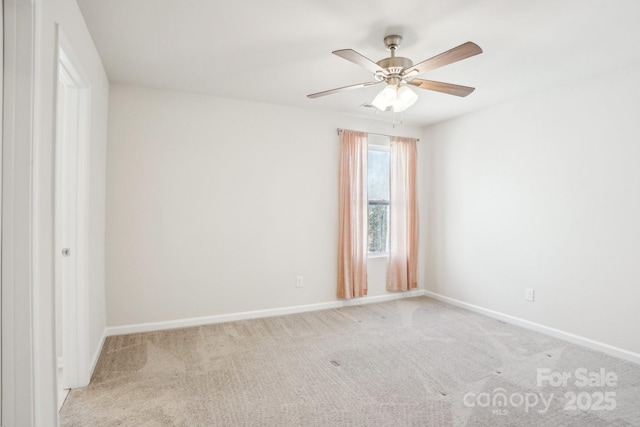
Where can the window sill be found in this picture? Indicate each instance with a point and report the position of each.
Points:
(378, 255)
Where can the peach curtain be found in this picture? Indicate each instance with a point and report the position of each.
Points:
(353, 220)
(402, 272)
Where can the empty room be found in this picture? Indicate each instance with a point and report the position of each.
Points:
(320, 213)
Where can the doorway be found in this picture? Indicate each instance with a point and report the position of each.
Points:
(71, 222)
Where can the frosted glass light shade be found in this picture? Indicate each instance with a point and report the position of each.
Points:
(405, 98)
(398, 98)
(385, 98)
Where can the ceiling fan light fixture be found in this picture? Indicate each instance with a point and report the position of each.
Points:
(398, 98)
(405, 98)
(386, 97)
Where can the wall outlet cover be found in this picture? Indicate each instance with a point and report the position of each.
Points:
(529, 294)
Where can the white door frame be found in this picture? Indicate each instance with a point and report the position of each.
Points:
(71, 229)
(1, 115)
(18, 385)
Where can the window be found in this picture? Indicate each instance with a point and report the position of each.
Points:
(378, 188)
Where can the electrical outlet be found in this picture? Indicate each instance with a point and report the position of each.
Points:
(299, 282)
(529, 294)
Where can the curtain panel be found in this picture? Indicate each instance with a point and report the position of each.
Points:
(402, 271)
(353, 218)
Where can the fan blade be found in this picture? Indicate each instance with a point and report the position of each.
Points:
(456, 54)
(353, 56)
(448, 88)
(340, 89)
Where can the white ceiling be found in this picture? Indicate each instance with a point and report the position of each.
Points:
(279, 51)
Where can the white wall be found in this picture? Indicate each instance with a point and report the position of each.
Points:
(544, 192)
(66, 14)
(216, 205)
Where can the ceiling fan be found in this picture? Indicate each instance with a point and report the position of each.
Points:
(398, 72)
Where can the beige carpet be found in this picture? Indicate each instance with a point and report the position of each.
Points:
(411, 362)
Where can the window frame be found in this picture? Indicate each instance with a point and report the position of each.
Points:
(382, 144)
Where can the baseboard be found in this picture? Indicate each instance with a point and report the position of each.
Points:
(556, 333)
(222, 318)
(96, 354)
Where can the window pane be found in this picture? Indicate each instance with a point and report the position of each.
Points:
(378, 187)
(378, 227)
(378, 175)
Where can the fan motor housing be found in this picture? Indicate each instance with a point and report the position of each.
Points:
(395, 64)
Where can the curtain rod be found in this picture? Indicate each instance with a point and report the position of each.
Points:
(379, 134)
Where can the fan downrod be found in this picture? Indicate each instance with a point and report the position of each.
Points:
(394, 64)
